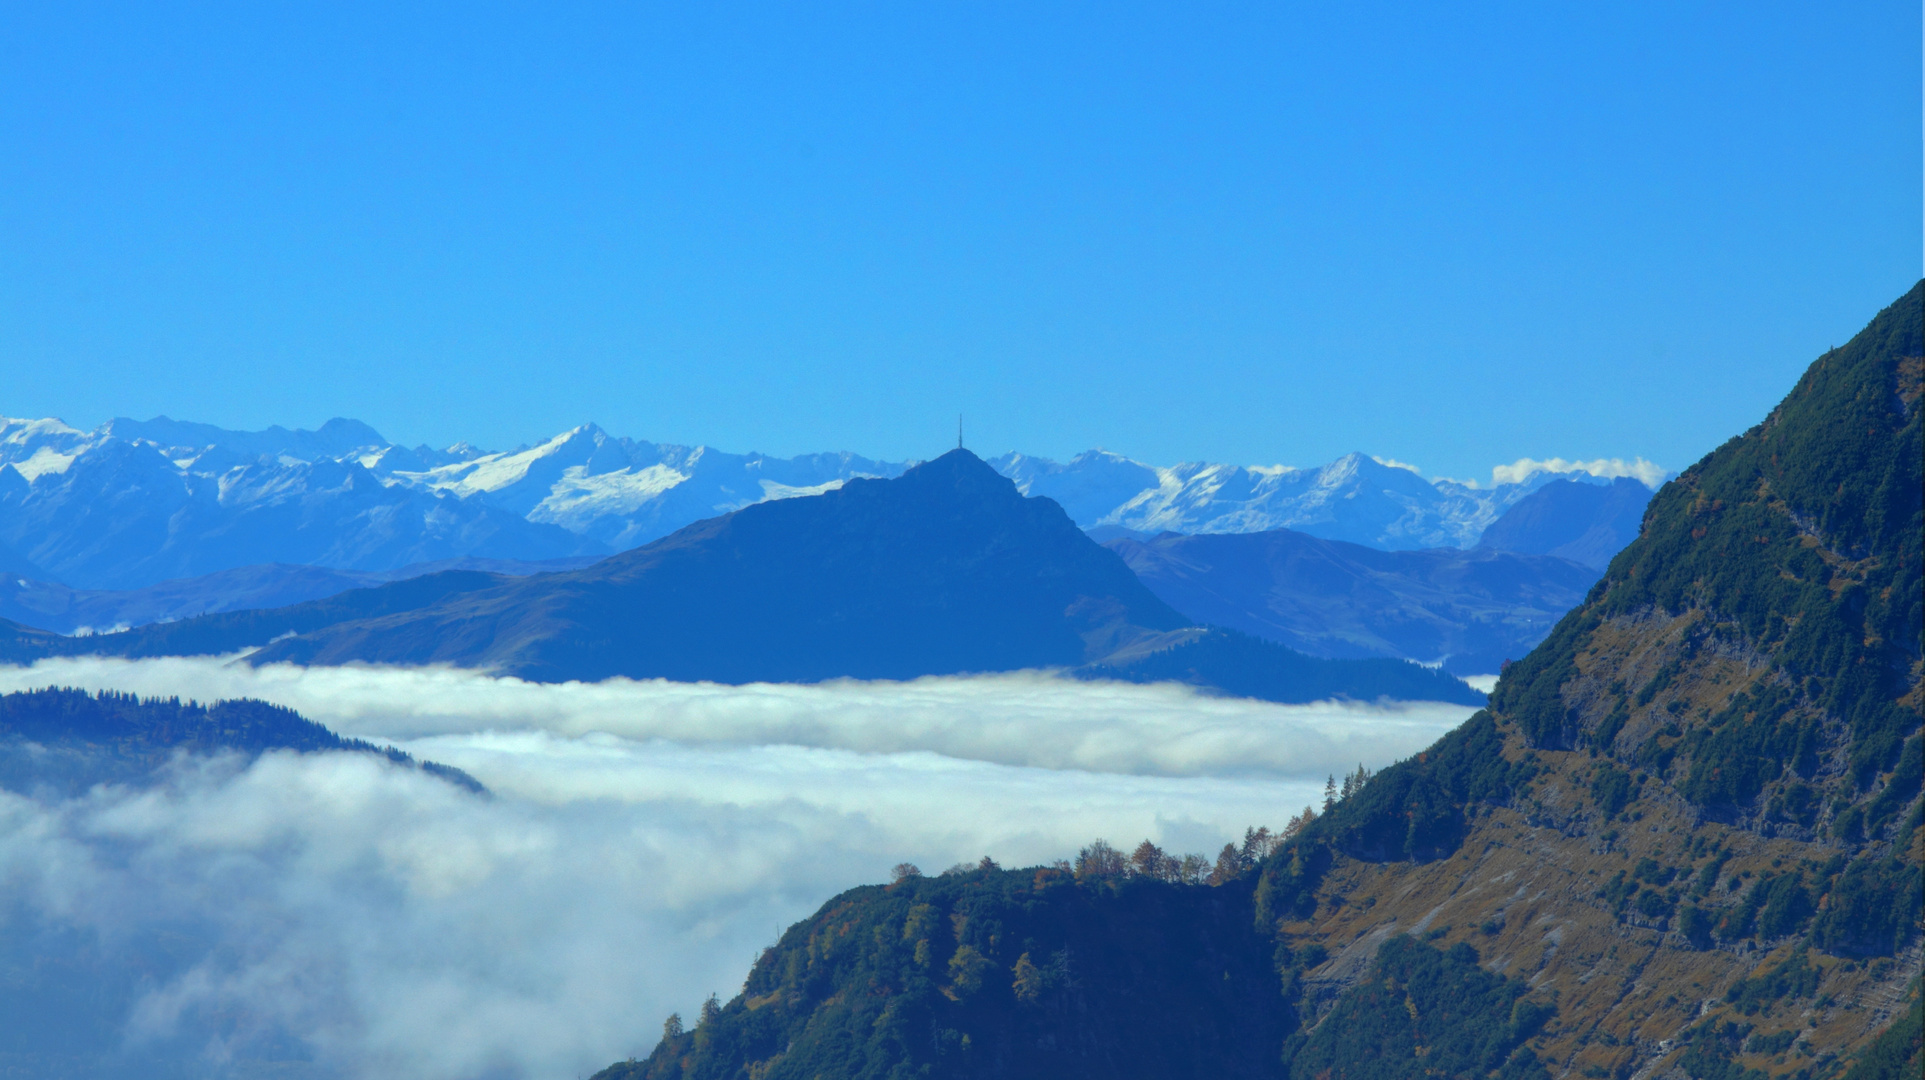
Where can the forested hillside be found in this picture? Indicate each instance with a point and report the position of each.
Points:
(1685, 840)
(64, 741)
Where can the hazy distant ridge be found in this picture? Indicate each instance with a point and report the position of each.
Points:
(133, 503)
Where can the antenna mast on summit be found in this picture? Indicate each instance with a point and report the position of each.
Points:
(959, 431)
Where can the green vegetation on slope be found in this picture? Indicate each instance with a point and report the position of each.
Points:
(1803, 539)
(1043, 973)
(1098, 970)
(1899, 1053)
(1424, 1012)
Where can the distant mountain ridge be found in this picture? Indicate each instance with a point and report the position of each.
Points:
(95, 511)
(135, 503)
(945, 569)
(1355, 498)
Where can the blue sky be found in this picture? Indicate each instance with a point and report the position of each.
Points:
(1249, 233)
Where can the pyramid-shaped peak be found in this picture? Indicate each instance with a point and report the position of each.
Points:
(959, 469)
(957, 459)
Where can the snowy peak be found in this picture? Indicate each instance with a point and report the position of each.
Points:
(134, 503)
(36, 448)
(518, 480)
(625, 492)
(1356, 498)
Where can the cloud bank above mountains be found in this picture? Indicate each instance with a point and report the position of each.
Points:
(642, 841)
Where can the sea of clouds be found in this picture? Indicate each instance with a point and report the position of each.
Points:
(640, 843)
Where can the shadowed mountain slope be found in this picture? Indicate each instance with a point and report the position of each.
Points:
(1586, 523)
(1472, 610)
(945, 569)
(1684, 841)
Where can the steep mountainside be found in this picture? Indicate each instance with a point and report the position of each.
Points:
(944, 569)
(1586, 523)
(1684, 841)
(1471, 610)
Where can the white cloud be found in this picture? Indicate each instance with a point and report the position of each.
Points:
(1523, 469)
(643, 841)
(1393, 463)
(1025, 718)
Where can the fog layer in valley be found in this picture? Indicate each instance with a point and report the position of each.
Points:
(642, 842)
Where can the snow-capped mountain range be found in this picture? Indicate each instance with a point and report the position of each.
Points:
(1355, 498)
(132, 503)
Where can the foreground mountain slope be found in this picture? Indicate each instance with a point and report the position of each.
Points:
(1471, 610)
(1685, 841)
